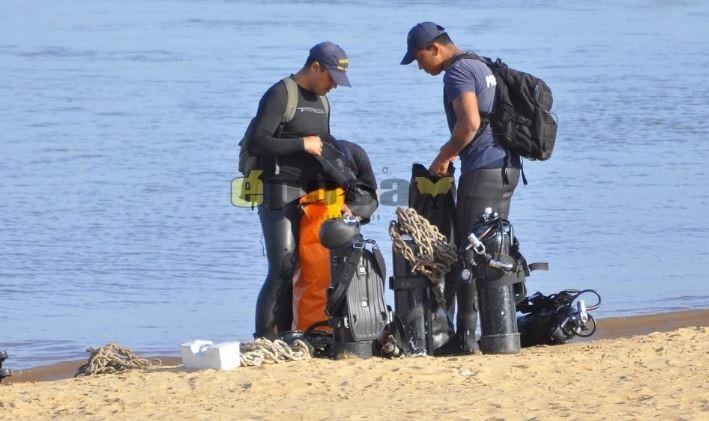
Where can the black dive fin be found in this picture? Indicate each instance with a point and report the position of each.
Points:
(434, 198)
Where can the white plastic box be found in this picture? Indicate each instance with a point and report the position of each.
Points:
(201, 354)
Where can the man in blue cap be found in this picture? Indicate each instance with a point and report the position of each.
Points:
(489, 172)
(287, 136)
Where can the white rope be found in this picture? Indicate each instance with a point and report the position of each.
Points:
(264, 351)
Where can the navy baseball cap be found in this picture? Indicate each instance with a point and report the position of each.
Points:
(335, 60)
(420, 36)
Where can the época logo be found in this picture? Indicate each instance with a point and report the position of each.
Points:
(247, 192)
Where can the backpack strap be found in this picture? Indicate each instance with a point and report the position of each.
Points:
(289, 113)
(326, 106)
(292, 104)
(337, 296)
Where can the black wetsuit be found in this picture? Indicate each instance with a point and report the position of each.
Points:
(289, 173)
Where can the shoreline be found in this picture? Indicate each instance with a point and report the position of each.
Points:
(661, 375)
(608, 328)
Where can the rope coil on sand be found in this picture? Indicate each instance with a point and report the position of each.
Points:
(435, 254)
(264, 351)
(113, 358)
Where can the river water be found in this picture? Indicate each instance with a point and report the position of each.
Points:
(120, 123)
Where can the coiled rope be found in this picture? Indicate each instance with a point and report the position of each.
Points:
(113, 358)
(264, 351)
(434, 254)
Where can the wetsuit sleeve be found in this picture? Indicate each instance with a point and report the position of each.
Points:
(363, 169)
(267, 125)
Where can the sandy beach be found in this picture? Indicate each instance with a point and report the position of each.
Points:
(636, 367)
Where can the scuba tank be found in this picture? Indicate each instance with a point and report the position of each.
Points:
(491, 259)
(423, 325)
(422, 259)
(355, 300)
(557, 318)
(4, 372)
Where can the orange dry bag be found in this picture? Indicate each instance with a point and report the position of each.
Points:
(310, 287)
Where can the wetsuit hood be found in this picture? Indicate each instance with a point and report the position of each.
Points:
(335, 161)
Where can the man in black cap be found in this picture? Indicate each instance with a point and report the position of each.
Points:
(286, 136)
(489, 173)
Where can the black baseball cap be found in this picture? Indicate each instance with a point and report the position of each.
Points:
(335, 60)
(419, 37)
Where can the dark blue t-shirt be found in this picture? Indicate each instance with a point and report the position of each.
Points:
(470, 75)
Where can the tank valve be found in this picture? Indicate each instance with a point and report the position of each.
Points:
(489, 214)
(475, 244)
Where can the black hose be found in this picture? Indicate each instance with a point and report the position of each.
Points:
(311, 329)
(586, 291)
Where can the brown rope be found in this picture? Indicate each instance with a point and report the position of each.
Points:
(113, 358)
(434, 255)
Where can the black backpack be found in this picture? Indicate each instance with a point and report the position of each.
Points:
(522, 121)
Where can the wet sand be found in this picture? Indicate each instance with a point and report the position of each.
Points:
(633, 368)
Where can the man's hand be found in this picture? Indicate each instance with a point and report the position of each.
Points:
(443, 149)
(313, 145)
(439, 166)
